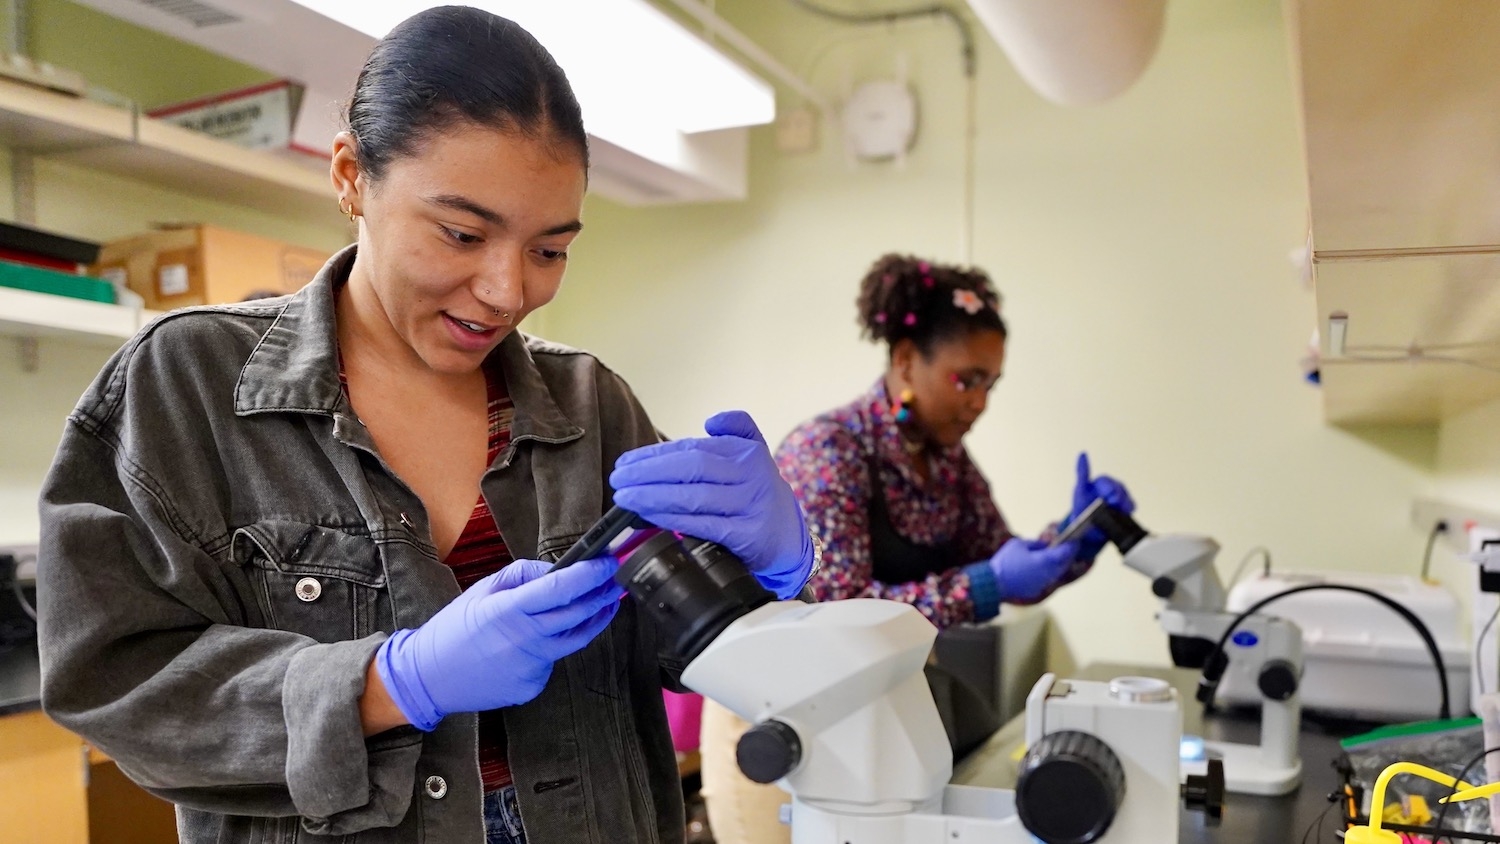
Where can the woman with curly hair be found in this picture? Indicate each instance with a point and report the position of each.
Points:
(900, 508)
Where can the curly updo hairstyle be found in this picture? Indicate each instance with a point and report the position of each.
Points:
(903, 297)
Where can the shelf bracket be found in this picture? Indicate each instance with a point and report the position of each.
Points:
(27, 351)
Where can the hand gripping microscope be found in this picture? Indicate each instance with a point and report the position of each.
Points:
(1267, 651)
(844, 720)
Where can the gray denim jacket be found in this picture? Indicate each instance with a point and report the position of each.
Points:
(223, 550)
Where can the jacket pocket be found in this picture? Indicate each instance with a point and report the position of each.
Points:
(550, 548)
(317, 581)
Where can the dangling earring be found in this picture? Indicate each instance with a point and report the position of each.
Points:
(346, 211)
(901, 407)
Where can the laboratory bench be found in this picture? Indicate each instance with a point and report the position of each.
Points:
(1247, 819)
(20, 679)
(54, 789)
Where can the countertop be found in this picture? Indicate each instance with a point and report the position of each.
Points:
(20, 678)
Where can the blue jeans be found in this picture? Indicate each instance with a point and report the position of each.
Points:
(502, 817)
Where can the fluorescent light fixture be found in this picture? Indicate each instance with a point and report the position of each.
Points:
(1338, 333)
(640, 77)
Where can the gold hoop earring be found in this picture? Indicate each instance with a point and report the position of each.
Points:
(347, 212)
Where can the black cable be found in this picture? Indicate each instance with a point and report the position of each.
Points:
(1437, 825)
(965, 33)
(1479, 649)
(1218, 659)
(1318, 821)
(15, 585)
(1439, 528)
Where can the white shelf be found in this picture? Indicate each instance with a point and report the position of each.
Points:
(117, 141)
(27, 314)
(1446, 306)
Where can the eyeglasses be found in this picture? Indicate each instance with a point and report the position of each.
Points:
(972, 381)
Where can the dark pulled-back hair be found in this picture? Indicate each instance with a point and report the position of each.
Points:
(457, 63)
(903, 297)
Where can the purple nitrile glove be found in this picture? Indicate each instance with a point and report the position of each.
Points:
(1085, 490)
(1025, 569)
(495, 644)
(724, 488)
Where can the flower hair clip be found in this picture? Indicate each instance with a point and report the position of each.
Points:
(968, 301)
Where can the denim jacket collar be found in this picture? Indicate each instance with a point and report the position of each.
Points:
(295, 366)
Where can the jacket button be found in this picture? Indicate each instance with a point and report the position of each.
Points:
(437, 788)
(309, 589)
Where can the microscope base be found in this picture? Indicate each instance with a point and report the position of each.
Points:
(1247, 772)
(966, 813)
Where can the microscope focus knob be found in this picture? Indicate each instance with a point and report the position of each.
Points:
(768, 751)
(1205, 793)
(1070, 788)
(1278, 680)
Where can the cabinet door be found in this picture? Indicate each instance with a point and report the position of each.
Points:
(43, 786)
(1399, 103)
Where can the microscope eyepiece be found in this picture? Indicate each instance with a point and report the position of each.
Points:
(1119, 527)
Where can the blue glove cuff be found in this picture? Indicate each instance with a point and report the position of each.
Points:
(786, 584)
(984, 590)
(404, 687)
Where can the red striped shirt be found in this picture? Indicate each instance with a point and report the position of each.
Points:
(480, 552)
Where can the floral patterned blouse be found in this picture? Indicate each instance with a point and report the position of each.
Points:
(827, 461)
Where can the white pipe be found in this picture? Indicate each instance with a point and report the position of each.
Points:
(971, 132)
(721, 29)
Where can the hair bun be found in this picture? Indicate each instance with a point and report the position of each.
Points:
(903, 296)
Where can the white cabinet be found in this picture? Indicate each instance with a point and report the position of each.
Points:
(1401, 116)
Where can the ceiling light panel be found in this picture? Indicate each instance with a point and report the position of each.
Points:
(635, 70)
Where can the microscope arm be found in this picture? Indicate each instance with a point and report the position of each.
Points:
(1263, 650)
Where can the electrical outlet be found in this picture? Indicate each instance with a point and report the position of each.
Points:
(1461, 520)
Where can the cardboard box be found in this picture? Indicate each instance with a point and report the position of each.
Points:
(281, 117)
(206, 265)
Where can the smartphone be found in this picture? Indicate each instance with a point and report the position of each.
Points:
(1080, 523)
(597, 539)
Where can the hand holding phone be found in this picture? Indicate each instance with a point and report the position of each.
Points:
(1074, 529)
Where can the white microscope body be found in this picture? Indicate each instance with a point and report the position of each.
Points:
(1265, 651)
(844, 721)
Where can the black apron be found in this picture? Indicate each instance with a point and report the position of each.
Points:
(967, 717)
(894, 558)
